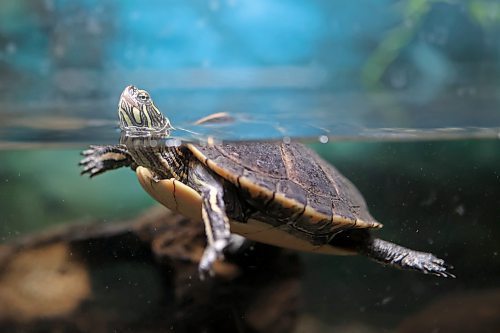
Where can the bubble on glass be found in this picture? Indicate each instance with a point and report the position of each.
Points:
(323, 139)
(287, 139)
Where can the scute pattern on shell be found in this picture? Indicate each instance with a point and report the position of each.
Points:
(291, 184)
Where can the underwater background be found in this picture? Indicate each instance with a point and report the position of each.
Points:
(402, 97)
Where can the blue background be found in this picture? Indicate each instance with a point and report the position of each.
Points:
(296, 68)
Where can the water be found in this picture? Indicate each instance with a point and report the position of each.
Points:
(433, 182)
(234, 129)
(402, 97)
(434, 195)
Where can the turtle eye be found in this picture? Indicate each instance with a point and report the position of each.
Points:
(143, 97)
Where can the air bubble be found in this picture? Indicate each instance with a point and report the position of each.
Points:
(386, 300)
(323, 139)
(460, 210)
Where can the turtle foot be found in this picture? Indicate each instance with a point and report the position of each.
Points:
(426, 263)
(92, 162)
(404, 258)
(99, 159)
(210, 255)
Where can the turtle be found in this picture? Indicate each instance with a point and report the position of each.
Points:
(275, 192)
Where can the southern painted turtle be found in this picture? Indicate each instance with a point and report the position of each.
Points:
(273, 192)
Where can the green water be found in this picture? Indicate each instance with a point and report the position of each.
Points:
(438, 196)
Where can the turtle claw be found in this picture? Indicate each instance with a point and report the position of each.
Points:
(99, 159)
(205, 268)
(91, 171)
(205, 273)
(92, 165)
(427, 263)
(210, 255)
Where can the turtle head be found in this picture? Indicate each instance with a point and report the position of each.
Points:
(138, 114)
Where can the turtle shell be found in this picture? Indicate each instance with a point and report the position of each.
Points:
(290, 184)
(302, 199)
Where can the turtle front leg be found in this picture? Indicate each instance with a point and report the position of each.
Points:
(99, 159)
(214, 216)
(401, 257)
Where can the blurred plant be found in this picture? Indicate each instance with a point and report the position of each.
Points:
(396, 39)
(485, 13)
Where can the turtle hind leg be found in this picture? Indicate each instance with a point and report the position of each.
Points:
(391, 254)
(398, 256)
